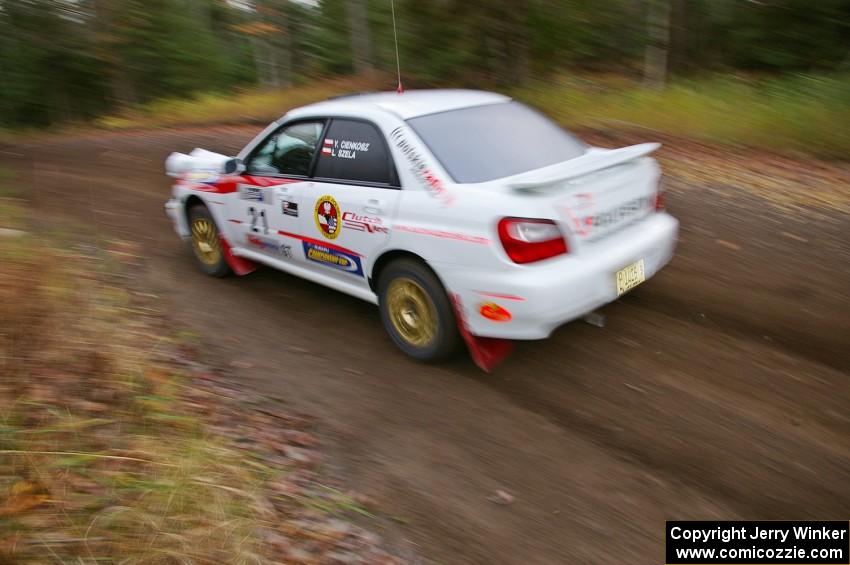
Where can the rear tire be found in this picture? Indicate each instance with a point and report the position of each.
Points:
(416, 312)
(206, 242)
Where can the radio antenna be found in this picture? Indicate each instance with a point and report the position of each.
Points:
(400, 88)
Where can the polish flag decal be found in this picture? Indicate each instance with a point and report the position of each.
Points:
(328, 143)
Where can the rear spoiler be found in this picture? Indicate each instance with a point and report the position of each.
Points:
(592, 161)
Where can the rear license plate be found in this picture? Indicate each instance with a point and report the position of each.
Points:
(630, 276)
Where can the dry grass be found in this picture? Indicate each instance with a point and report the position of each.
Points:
(241, 107)
(792, 114)
(97, 457)
(795, 114)
(799, 114)
(112, 450)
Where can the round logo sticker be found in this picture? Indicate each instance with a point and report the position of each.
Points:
(327, 216)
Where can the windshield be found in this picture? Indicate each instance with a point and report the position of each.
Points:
(483, 143)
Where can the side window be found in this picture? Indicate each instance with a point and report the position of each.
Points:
(288, 151)
(354, 151)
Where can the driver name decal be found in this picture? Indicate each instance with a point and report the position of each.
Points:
(344, 149)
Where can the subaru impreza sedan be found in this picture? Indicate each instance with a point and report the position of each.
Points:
(463, 215)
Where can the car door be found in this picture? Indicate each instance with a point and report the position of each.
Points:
(269, 194)
(349, 209)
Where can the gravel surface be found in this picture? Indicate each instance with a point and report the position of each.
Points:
(718, 390)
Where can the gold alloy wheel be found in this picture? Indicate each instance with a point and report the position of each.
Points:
(411, 311)
(205, 241)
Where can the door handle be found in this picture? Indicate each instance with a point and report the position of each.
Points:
(374, 206)
(282, 190)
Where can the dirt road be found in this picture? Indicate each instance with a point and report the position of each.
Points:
(718, 390)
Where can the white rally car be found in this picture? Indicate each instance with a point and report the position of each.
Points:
(463, 215)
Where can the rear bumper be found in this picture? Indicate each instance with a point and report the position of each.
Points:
(542, 297)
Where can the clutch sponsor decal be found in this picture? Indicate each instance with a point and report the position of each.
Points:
(369, 224)
(268, 245)
(426, 177)
(289, 208)
(344, 149)
(327, 216)
(332, 257)
(255, 194)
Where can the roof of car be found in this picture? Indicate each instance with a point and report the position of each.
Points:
(410, 104)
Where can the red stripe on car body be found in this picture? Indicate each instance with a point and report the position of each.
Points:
(319, 242)
(503, 296)
(443, 234)
(229, 184)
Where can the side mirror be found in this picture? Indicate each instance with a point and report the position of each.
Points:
(234, 166)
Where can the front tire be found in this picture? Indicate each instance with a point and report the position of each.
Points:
(416, 312)
(206, 242)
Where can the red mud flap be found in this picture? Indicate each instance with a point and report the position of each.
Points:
(238, 265)
(486, 352)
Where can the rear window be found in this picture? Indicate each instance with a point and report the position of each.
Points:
(483, 143)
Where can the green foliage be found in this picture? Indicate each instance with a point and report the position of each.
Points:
(48, 71)
(62, 60)
(795, 113)
(247, 106)
(75, 60)
(167, 47)
(798, 113)
(331, 39)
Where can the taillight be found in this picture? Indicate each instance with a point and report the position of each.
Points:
(659, 197)
(526, 240)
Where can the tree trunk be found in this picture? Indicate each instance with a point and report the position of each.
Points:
(264, 59)
(122, 90)
(519, 42)
(284, 45)
(358, 32)
(658, 24)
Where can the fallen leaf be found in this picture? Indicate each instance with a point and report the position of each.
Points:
(795, 237)
(9, 544)
(302, 439)
(22, 496)
(303, 457)
(501, 497)
(728, 244)
(595, 319)
(156, 376)
(89, 406)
